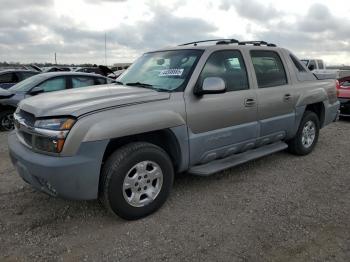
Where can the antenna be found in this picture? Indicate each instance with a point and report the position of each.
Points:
(105, 48)
(55, 59)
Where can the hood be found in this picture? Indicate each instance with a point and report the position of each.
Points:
(5, 93)
(76, 102)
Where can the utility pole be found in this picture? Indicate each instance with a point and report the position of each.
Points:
(55, 59)
(105, 48)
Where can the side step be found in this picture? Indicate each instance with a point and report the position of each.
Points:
(237, 159)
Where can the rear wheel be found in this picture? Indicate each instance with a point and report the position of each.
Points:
(136, 180)
(6, 120)
(307, 135)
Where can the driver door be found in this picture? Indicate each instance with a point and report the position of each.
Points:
(222, 124)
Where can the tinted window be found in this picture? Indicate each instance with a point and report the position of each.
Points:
(81, 81)
(320, 64)
(229, 66)
(27, 74)
(8, 78)
(297, 64)
(55, 84)
(100, 81)
(268, 68)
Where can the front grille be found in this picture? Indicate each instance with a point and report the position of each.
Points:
(29, 119)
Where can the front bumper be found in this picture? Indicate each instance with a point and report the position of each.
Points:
(344, 106)
(75, 177)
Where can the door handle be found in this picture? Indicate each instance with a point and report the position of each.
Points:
(249, 102)
(287, 97)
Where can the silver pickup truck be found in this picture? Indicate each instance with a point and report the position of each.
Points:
(194, 108)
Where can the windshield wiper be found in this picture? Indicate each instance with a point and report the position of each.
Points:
(149, 86)
(139, 84)
(118, 82)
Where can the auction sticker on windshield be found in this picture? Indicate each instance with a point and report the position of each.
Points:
(171, 72)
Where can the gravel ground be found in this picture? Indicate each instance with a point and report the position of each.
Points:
(278, 208)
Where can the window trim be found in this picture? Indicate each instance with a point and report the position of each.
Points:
(197, 85)
(296, 60)
(282, 62)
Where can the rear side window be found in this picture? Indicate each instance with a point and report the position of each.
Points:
(8, 78)
(27, 74)
(320, 64)
(312, 65)
(54, 84)
(229, 66)
(100, 81)
(81, 81)
(297, 64)
(268, 68)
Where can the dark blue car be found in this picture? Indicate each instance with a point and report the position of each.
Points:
(11, 77)
(42, 83)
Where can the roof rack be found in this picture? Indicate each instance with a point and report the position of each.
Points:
(218, 42)
(231, 41)
(257, 43)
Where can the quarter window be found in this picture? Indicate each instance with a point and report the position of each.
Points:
(320, 64)
(268, 68)
(229, 66)
(297, 64)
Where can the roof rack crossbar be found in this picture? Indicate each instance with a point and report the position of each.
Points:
(219, 41)
(257, 43)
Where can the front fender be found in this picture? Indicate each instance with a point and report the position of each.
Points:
(119, 123)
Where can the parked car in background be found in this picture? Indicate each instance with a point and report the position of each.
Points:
(318, 67)
(344, 97)
(11, 77)
(42, 83)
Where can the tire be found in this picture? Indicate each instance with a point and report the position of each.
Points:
(121, 189)
(6, 120)
(303, 146)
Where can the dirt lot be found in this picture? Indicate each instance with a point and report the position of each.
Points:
(278, 208)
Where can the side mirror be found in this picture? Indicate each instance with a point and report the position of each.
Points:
(212, 85)
(36, 90)
(311, 67)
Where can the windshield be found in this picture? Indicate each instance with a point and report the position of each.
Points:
(165, 70)
(27, 84)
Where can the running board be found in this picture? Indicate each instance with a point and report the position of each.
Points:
(237, 159)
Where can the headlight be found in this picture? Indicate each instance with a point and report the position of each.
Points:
(52, 133)
(57, 124)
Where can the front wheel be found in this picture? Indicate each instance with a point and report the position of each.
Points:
(6, 120)
(136, 180)
(307, 135)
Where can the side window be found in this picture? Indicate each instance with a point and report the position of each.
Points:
(228, 65)
(268, 68)
(54, 84)
(100, 81)
(297, 64)
(312, 65)
(27, 74)
(8, 78)
(320, 64)
(81, 81)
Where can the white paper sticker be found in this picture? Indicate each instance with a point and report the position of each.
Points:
(171, 72)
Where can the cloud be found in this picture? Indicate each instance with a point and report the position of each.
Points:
(252, 9)
(37, 33)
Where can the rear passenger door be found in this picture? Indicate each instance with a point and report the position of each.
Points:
(275, 95)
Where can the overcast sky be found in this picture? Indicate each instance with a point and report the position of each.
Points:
(33, 30)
